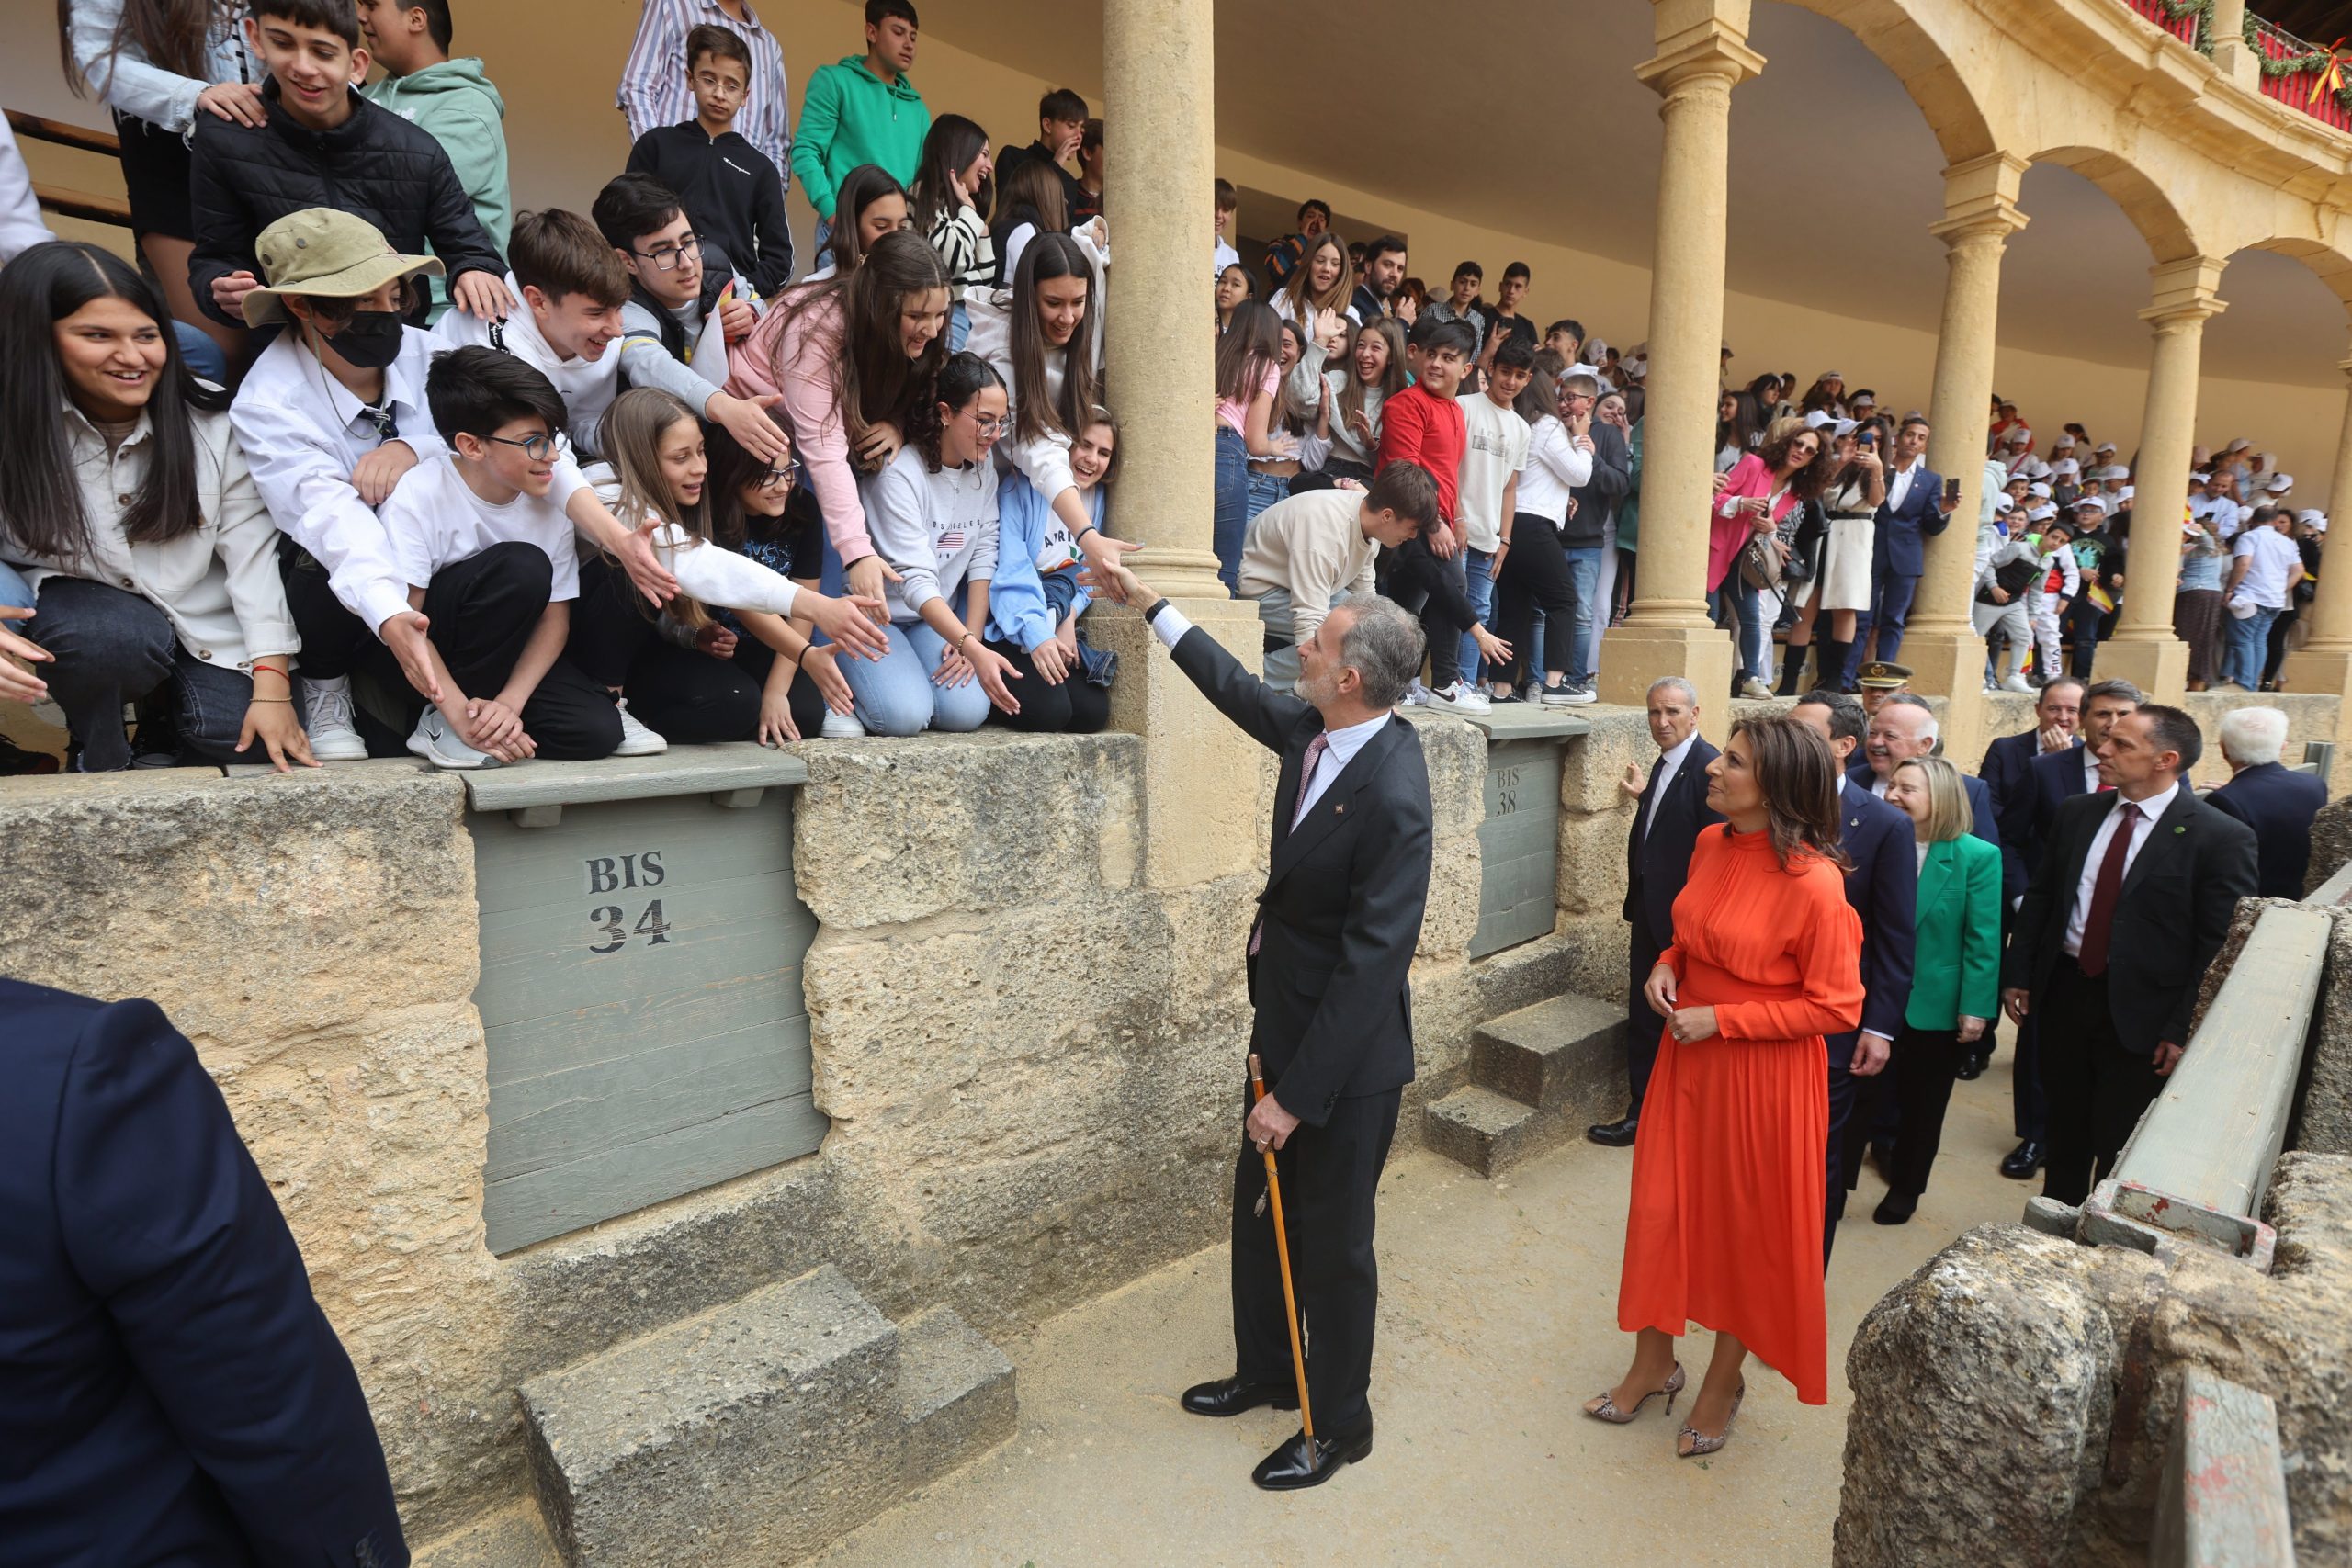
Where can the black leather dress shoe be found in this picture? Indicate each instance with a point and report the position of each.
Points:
(1973, 1065)
(1286, 1470)
(1616, 1134)
(2024, 1160)
(1896, 1209)
(1231, 1396)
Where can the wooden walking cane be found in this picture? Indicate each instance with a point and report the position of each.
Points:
(1282, 1251)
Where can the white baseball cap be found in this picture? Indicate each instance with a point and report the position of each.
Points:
(2001, 502)
(2065, 466)
(2040, 492)
(2042, 513)
(2281, 483)
(2113, 472)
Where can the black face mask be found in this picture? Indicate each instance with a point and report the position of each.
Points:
(370, 340)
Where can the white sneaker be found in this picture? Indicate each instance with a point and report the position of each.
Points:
(327, 709)
(1416, 695)
(841, 726)
(1461, 699)
(434, 740)
(1566, 696)
(2018, 683)
(1752, 687)
(635, 739)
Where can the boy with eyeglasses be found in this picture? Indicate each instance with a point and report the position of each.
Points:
(491, 562)
(681, 287)
(730, 191)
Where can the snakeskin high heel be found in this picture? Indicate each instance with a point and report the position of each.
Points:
(1700, 1446)
(1608, 1411)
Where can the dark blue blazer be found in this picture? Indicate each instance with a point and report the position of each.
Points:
(1883, 888)
(1657, 867)
(2054, 780)
(1980, 806)
(2278, 804)
(1897, 549)
(169, 1392)
(2009, 774)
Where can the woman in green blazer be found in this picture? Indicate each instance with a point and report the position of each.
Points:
(1955, 971)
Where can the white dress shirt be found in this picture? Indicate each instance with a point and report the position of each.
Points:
(1341, 745)
(2091, 781)
(2151, 811)
(1898, 485)
(1674, 756)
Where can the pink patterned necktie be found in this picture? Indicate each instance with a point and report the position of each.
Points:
(1313, 759)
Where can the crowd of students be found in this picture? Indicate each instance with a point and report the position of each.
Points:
(858, 495)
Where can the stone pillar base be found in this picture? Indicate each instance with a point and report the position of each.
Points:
(1949, 664)
(1203, 779)
(1632, 656)
(2158, 666)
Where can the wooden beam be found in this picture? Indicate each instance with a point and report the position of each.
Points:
(80, 204)
(35, 128)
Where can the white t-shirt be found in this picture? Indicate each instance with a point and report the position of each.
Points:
(2273, 556)
(587, 386)
(1225, 256)
(1494, 448)
(937, 530)
(435, 519)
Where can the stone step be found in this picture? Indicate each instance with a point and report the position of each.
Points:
(759, 1431)
(1488, 1131)
(1566, 1051)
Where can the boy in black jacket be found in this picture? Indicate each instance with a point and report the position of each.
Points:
(733, 194)
(324, 145)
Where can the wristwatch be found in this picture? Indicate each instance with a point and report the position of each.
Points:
(1153, 613)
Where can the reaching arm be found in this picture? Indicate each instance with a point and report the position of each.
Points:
(1264, 715)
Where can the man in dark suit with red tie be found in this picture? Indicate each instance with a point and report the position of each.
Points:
(2130, 902)
(1671, 808)
(1346, 883)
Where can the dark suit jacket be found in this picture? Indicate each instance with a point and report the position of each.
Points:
(169, 1391)
(1656, 868)
(2278, 804)
(2053, 780)
(1883, 888)
(1980, 801)
(1343, 898)
(2194, 864)
(1898, 547)
(2008, 772)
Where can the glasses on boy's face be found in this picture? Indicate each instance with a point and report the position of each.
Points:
(538, 449)
(667, 257)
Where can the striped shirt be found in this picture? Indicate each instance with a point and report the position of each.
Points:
(654, 91)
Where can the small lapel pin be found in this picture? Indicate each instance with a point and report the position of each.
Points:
(1343, 811)
(2182, 829)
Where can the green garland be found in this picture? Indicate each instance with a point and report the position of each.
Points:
(2292, 65)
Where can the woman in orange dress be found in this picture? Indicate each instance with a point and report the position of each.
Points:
(1724, 1225)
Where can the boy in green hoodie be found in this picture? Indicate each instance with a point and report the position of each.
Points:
(453, 100)
(862, 109)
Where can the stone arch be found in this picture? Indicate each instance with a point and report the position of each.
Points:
(2332, 267)
(1924, 67)
(2151, 211)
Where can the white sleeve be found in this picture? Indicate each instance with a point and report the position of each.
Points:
(1169, 627)
(21, 226)
(1549, 445)
(716, 576)
(310, 497)
(1014, 243)
(123, 77)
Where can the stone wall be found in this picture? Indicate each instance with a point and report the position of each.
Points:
(2311, 715)
(1029, 1055)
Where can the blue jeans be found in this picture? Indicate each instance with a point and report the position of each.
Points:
(203, 356)
(896, 695)
(1264, 490)
(1890, 607)
(1232, 506)
(112, 648)
(1479, 582)
(1736, 599)
(16, 594)
(1584, 575)
(2249, 646)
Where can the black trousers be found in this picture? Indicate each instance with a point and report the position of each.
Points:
(1931, 1059)
(2097, 1089)
(755, 659)
(483, 611)
(337, 645)
(1845, 1089)
(1536, 574)
(1433, 589)
(1329, 1175)
(1077, 707)
(1644, 1027)
(681, 693)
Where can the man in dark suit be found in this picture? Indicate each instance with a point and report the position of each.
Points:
(169, 1392)
(2057, 777)
(1905, 727)
(1883, 888)
(2130, 902)
(2263, 794)
(1346, 883)
(1915, 507)
(1671, 807)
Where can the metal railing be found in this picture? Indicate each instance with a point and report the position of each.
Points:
(2183, 26)
(2295, 87)
(2223, 1497)
(67, 203)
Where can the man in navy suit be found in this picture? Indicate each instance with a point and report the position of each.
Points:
(1883, 888)
(1672, 808)
(2007, 769)
(169, 1392)
(1915, 507)
(1905, 727)
(2263, 794)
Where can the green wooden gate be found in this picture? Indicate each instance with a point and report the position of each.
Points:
(641, 943)
(1518, 845)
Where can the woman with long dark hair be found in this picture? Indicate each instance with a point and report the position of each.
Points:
(1723, 1229)
(954, 189)
(1539, 576)
(158, 64)
(1235, 289)
(1248, 386)
(854, 358)
(1842, 518)
(1791, 466)
(154, 562)
(1032, 201)
(1050, 360)
(1371, 371)
(871, 203)
(1739, 428)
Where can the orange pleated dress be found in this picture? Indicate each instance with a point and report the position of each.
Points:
(1724, 1225)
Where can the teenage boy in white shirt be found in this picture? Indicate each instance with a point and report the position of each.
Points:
(1494, 455)
(572, 288)
(492, 564)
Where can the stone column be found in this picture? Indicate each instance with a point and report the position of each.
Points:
(2231, 55)
(1201, 776)
(1940, 644)
(2325, 663)
(1702, 55)
(2144, 650)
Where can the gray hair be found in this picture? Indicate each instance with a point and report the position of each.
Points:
(1912, 700)
(2251, 737)
(1676, 683)
(2124, 689)
(1383, 644)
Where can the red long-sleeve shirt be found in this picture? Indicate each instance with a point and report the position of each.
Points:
(1416, 426)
